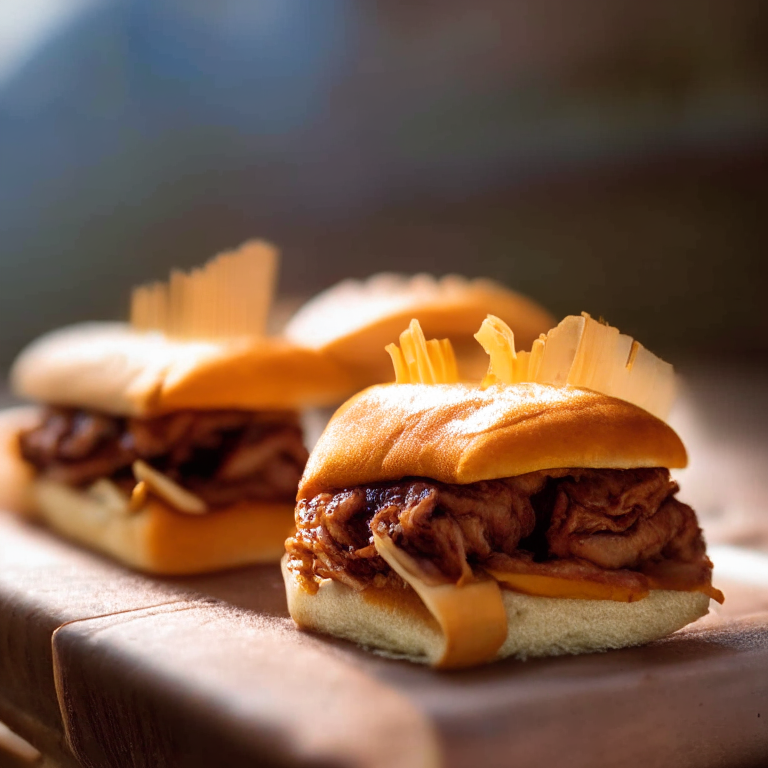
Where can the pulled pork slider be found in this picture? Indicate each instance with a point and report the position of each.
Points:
(173, 443)
(531, 515)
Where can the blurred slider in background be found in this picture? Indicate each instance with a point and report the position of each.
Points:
(174, 443)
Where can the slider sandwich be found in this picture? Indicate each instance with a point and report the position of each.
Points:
(352, 321)
(171, 443)
(530, 515)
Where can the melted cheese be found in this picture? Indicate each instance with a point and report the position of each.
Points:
(712, 592)
(706, 589)
(552, 586)
(471, 616)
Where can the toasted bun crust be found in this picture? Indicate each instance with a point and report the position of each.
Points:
(354, 320)
(157, 539)
(461, 434)
(396, 622)
(110, 367)
(16, 475)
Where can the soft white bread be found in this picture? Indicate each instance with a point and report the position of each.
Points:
(455, 433)
(396, 621)
(112, 368)
(354, 320)
(158, 539)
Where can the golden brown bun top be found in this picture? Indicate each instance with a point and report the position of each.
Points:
(110, 367)
(354, 320)
(456, 433)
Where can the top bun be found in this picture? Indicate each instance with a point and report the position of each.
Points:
(455, 433)
(113, 368)
(354, 320)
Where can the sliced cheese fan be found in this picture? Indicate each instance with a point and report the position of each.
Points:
(582, 352)
(418, 361)
(230, 296)
(173, 442)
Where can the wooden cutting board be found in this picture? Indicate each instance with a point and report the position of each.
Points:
(209, 671)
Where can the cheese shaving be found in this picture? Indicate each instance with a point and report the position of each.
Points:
(162, 485)
(581, 352)
(498, 341)
(418, 361)
(138, 495)
(471, 616)
(230, 296)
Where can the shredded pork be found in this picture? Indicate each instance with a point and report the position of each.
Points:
(222, 456)
(571, 523)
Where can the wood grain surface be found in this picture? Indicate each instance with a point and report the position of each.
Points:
(133, 671)
(45, 583)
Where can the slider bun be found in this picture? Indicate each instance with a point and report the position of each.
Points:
(455, 433)
(354, 320)
(158, 539)
(110, 367)
(396, 622)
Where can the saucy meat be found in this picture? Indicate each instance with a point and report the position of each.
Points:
(622, 518)
(222, 456)
(559, 522)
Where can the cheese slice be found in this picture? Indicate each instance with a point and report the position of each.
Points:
(554, 586)
(575, 589)
(650, 382)
(471, 615)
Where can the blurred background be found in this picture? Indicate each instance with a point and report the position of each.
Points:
(599, 155)
(604, 155)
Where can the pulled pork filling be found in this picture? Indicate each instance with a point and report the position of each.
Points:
(618, 526)
(221, 456)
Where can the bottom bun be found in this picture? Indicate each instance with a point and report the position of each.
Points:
(397, 623)
(158, 539)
